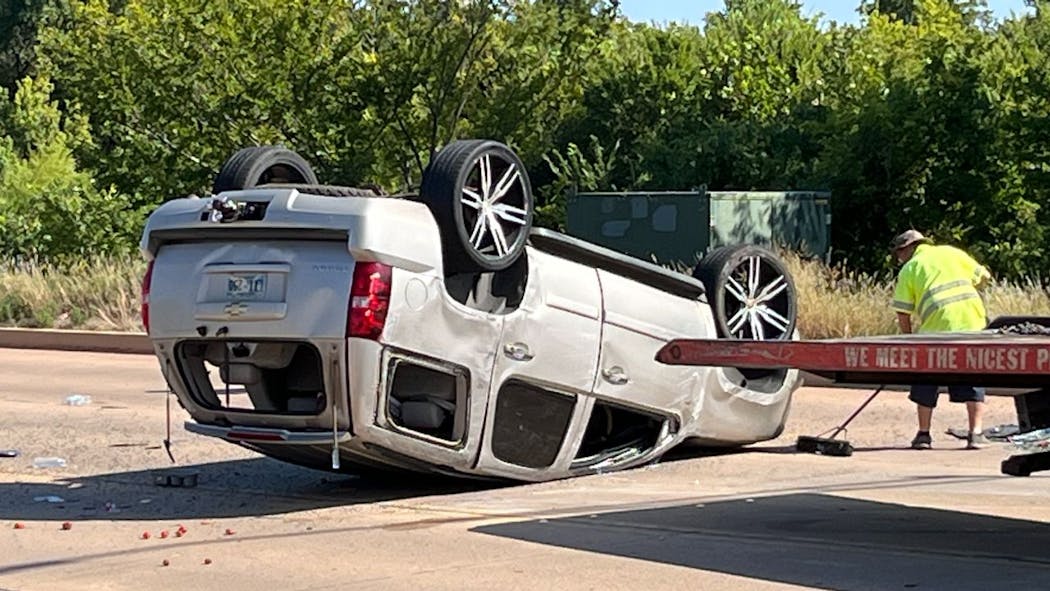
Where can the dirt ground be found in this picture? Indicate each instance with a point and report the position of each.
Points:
(764, 517)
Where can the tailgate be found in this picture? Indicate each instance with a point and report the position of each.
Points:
(273, 288)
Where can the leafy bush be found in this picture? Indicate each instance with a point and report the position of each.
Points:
(49, 210)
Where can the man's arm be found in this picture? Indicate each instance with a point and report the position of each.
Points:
(981, 277)
(904, 321)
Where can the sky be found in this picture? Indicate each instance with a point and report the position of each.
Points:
(693, 11)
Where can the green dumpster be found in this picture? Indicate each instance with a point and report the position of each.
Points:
(679, 227)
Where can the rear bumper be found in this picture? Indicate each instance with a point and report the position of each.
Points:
(269, 436)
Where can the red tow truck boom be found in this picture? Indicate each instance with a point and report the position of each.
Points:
(997, 357)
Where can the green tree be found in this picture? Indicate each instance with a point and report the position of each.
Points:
(365, 90)
(735, 105)
(19, 20)
(49, 210)
(1016, 81)
(909, 141)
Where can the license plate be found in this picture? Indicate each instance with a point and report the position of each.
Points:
(246, 286)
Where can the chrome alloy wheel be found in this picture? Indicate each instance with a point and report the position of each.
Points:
(494, 206)
(757, 304)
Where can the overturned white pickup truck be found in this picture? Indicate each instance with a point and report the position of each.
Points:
(341, 328)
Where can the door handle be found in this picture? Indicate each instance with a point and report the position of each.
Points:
(615, 375)
(517, 351)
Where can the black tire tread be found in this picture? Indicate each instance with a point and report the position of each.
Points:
(325, 190)
(243, 169)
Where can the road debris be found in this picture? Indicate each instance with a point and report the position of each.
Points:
(207, 561)
(176, 478)
(77, 400)
(67, 525)
(1032, 442)
(165, 562)
(49, 499)
(230, 532)
(9, 453)
(20, 525)
(145, 535)
(49, 462)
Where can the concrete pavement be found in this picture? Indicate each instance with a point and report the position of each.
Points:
(762, 518)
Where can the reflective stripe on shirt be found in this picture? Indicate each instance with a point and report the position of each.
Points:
(937, 305)
(930, 302)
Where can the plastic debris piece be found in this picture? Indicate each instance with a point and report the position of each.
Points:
(78, 400)
(49, 462)
(49, 499)
(145, 501)
(66, 525)
(9, 453)
(111, 508)
(1032, 442)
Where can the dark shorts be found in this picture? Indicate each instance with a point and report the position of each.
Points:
(927, 395)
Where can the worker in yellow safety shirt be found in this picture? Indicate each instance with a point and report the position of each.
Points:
(937, 285)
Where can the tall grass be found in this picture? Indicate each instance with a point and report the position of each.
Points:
(836, 302)
(103, 294)
(94, 294)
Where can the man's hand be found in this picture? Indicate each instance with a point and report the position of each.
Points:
(904, 321)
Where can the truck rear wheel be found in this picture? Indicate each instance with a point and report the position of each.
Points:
(751, 293)
(260, 165)
(481, 197)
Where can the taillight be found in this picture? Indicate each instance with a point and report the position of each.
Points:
(369, 300)
(146, 280)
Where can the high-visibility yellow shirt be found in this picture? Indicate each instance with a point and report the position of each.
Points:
(939, 286)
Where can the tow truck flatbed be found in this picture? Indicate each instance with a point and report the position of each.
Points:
(981, 358)
(994, 358)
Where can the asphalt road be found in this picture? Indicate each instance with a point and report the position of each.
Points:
(761, 518)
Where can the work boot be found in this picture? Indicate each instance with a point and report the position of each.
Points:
(976, 440)
(922, 440)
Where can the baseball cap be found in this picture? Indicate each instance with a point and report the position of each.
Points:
(907, 239)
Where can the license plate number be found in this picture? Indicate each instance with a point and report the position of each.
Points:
(246, 286)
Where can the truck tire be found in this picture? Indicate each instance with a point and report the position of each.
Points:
(751, 293)
(260, 165)
(480, 195)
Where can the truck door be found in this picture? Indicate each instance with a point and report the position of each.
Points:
(637, 321)
(544, 370)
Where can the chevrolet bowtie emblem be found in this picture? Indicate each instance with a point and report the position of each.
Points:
(235, 309)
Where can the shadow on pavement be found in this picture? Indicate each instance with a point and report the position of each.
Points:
(251, 487)
(814, 540)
